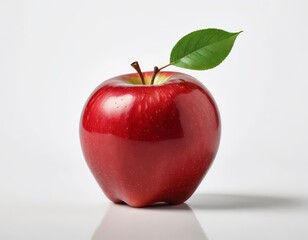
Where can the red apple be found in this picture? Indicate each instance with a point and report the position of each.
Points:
(150, 143)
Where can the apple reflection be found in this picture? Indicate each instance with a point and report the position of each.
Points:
(156, 222)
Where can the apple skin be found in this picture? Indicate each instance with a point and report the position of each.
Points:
(150, 143)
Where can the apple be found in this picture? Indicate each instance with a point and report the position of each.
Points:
(148, 143)
(151, 137)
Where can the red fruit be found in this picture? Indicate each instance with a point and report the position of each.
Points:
(150, 143)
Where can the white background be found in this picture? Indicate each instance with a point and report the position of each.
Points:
(54, 53)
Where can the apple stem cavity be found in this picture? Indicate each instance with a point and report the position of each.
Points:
(136, 66)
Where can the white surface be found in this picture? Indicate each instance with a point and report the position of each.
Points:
(204, 216)
(54, 53)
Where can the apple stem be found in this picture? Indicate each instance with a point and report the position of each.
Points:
(136, 66)
(156, 70)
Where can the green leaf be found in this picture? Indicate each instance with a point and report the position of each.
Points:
(202, 49)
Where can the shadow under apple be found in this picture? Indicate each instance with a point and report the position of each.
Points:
(240, 201)
(155, 222)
